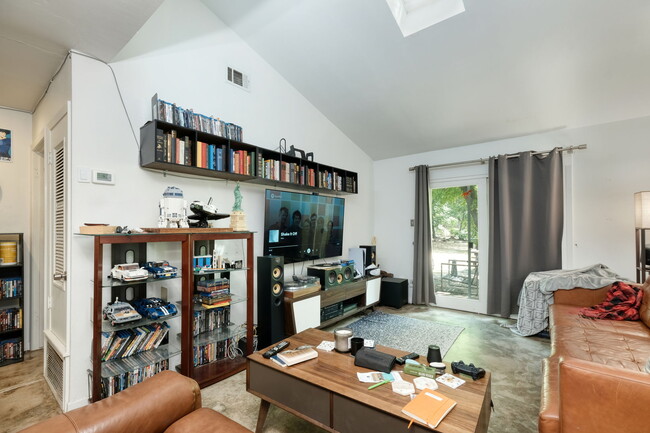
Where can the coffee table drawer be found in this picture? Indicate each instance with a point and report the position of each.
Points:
(284, 390)
(351, 416)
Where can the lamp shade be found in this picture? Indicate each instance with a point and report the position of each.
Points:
(642, 210)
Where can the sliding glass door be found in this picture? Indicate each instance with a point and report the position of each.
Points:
(459, 231)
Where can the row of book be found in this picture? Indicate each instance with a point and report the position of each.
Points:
(210, 156)
(11, 349)
(127, 342)
(350, 184)
(172, 113)
(242, 162)
(176, 150)
(11, 287)
(210, 320)
(122, 380)
(283, 171)
(10, 319)
(206, 353)
(173, 149)
(330, 180)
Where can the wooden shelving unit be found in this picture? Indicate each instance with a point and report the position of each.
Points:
(179, 344)
(264, 166)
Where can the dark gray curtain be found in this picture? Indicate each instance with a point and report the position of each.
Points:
(422, 273)
(526, 223)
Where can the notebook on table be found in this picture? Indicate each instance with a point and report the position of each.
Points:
(429, 407)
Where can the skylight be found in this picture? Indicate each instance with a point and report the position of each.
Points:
(415, 15)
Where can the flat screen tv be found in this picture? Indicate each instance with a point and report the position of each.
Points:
(303, 227)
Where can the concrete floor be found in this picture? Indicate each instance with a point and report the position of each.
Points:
(515, 363)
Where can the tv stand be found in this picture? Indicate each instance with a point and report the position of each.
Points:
(344, 300)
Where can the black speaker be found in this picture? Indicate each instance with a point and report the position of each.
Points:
(330, 276)
(270, 296)
(371, 254)
(394, 292)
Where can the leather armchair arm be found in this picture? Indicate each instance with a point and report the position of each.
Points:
(148, 407)
(597, 398)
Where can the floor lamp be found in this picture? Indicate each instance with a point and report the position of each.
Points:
(641, 223)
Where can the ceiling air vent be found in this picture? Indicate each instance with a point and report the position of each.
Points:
(238, 78)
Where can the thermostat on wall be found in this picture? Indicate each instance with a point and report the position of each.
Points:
(100, 176)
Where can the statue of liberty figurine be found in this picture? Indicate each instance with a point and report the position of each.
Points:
(237, 217)
(238, 199)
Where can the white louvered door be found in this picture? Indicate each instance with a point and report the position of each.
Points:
(57, 322)
(58, 257)
(57, 299)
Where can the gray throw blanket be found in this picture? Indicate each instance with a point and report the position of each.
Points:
(537, 293)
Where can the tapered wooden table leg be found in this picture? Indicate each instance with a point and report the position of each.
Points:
(261, 418)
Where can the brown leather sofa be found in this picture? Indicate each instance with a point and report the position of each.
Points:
(595, 379)
(167, 402)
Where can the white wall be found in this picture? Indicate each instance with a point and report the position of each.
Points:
(605, 177)
(186, 65)
(15, 184)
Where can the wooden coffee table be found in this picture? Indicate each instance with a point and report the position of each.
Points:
(326, 392)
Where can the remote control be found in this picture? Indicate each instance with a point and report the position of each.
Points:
(402, 359)
(275, 349)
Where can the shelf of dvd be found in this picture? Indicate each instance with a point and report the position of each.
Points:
(190, 143)
(127, 352)
(222, 309)
(11, 298)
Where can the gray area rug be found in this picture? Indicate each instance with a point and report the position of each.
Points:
(404, 333)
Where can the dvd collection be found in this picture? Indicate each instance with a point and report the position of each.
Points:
(172, 113)
(10, 319)
(127, 342)
(11, 349)
(11, 287)
(209, 320)
(122, 380)
(206, 353)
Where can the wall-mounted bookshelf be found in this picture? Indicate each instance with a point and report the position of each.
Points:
(169, 147)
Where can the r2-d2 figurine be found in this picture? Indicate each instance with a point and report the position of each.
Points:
(173, 209)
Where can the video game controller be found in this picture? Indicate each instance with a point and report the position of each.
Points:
(470, 370)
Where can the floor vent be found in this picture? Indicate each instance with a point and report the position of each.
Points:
(54, 371)
(238, 78)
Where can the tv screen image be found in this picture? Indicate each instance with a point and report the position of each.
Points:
(303, 227)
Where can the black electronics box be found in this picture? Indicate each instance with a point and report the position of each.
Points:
(394, 292)
(331, 311)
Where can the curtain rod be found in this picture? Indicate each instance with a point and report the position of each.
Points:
(510, 155)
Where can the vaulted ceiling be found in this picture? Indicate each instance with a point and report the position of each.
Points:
(502, 68)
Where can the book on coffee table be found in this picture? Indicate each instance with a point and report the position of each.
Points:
(291, 357)
(429, 407)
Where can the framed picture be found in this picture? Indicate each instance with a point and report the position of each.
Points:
(5, 145)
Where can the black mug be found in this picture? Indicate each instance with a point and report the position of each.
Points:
(433, 355)
(356, 343)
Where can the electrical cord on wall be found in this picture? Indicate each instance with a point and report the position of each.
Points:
(117, 86)
(119, 92)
